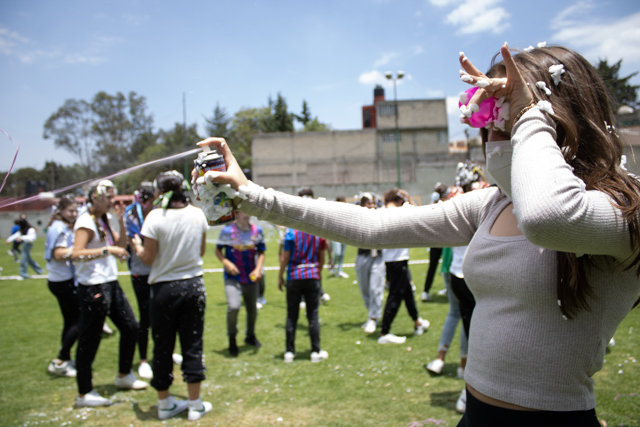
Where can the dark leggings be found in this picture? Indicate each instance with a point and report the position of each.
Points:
(309, 289)
(434, 258)
(143, 294)
(96, 303)
(67, 294)
(466, 300)
(480, 414)
(400, 290)
(177, 307)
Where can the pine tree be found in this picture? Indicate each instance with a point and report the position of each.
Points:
(621, 91)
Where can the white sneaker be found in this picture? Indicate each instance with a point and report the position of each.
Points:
(319, 356)
(144, 371)
(391, 339)
(343, 275)
(461, 404)
(288, 357)
(460, 373)
(303, 305)
(92, 399)
(425, 297)
(612, 343)
(442, 292)
(177, 358)
(436, 366)
(106, 329)
(65, 369)
(171, 407)
(370, 326)
(262, 300)
(413, 287)
(259, 305)
(325, 298)
(198, 409)
(422, 326)
(130, 382)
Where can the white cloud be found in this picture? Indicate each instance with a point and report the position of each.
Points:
(384, 59)
(476, 16)
(372, 77)
(10, 40)
(376, 77)
(595, 40)
(441, 3)
(418, 50)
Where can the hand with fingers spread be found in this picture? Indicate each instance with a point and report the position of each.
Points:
(506, 82)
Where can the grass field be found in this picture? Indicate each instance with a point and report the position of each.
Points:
(361, 384)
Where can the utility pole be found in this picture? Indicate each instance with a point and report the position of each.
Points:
(184, 134)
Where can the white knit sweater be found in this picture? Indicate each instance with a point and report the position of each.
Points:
(521, 350)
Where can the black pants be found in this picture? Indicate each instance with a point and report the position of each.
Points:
(177, 307)
(398, 276)
(143, 294)
(434, 258)
(480, 414)
(466, 300)
(67, 294)
(296, 289)
(96, 303)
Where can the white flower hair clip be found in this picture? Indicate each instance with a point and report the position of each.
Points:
(556, 72)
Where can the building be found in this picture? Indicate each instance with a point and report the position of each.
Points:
(345, 162)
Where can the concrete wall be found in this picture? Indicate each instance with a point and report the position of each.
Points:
(413, 114)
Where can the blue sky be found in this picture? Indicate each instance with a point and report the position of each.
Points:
(238, 53)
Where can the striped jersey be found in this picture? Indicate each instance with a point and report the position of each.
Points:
(305, 249)
(242, 248)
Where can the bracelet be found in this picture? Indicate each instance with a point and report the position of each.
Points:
(524, 110)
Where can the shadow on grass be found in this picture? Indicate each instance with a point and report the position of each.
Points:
(445, 399)
(349, 326)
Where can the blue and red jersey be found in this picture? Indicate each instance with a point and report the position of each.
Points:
(242, 248)
(305, 249)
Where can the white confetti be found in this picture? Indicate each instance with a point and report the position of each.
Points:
(466, 78)
(623, 162)
(482, 83)
(542, 44)
(528, 49)
(464, 98)
(543, 86)
(545, 106)
(556, 72)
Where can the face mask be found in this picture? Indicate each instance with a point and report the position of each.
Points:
(499, 164)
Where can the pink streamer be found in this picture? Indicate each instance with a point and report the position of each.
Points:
(14, 159)
(117, 174)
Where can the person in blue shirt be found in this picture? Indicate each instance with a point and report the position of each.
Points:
(243, 258)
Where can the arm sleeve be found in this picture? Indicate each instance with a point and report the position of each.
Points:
(553, 207)
(451, 223)
(31, 235)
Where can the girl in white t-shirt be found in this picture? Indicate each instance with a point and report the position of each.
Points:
(95, 250)
(174, 243)
(61, 280)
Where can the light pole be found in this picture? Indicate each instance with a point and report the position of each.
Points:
(389, 76)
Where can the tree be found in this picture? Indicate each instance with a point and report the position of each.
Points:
(245, 124)
(305, 115)
(71, 129)
(103, 133)
(218, 124)
(282, 119)
(316, 126)
(621, 91)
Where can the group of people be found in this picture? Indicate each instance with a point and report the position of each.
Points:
(82, 251)
(550, 268)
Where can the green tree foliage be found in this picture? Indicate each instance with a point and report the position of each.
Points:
(282, 119)
(316, 126)
(101, 134)
(621, 91)
(305, 115)
(218, 124)
(71, 129)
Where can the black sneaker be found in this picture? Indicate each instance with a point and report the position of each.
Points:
(233, 347)
(252, 340)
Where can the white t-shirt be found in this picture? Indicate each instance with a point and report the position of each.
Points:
(456, 261)
(179, 235)
(99, 270)
(392, 255)
(60, 270)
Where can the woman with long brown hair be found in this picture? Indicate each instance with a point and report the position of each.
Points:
(553, 258)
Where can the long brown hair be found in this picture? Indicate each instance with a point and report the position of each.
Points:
(585, 134)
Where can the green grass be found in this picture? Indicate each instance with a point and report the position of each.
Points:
(361, 384)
